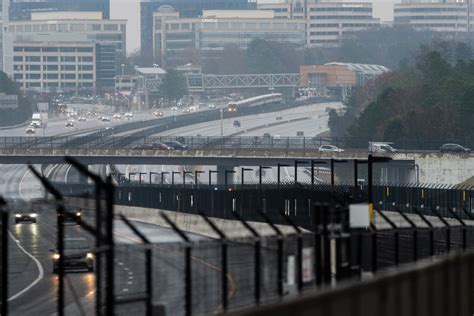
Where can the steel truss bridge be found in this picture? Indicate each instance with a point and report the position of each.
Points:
(202, 82)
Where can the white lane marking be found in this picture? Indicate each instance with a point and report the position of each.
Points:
(38, 264)
(21, 184)
(67, 173)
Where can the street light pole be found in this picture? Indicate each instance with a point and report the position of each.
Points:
(172, 176)
(222, 122)
(297, 162)
(210, 177)
(315, 162)
(196, 174)
(242, 170)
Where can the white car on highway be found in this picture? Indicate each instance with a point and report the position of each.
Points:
(330, 148)
(117, 116)
(30, 130)
(105, 119)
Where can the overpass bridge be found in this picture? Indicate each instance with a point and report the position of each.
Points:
(406, 166)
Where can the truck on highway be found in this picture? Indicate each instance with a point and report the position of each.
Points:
(39, 119)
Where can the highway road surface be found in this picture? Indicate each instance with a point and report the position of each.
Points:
(312, 120)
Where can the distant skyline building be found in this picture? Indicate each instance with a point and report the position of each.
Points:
(22, 9)
(186, 8)
(448, 16)
(177, 39)
(327, 21)
(64, 51)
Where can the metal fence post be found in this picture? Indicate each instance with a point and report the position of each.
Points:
(187, 264)
(430, 227)
(299, 249)
(396, 237)
(279, 252)
(148, 263)
(463, 225)
(257, 289)
(223, 237)
(415, 233)
(4, 262)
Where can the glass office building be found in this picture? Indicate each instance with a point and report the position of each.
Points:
(22, 9)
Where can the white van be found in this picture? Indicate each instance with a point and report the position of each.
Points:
(379, 147)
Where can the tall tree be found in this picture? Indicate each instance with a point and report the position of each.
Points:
(173, 86)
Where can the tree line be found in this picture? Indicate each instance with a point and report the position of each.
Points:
(428, 102)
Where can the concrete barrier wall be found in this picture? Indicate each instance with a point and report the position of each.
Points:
(188, 222)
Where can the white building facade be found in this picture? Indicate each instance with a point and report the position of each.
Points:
(449, 16)
(217, 30)
(64, 51)
(326, 21)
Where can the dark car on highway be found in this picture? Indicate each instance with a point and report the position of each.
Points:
(176, 145)
(77, 255)
(25, 216)
(454, 148)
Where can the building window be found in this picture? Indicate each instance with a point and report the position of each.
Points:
(87, 59)
(33, 58)
(50, 67)
(18, 58)
(77, 27)
(50, 76)
(110, 27)
(33, 67)
(53, 27)
(33, 76)
(62, 27)
(84, 50)
(68, 59)
(27, 28)
(50, 59)
(68, 67)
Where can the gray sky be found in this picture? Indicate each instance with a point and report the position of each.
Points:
(130, 10)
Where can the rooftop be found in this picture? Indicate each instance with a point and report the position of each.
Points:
(150, 70)
(364, 68)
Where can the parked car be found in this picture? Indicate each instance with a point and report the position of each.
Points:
(77, 255)
(330, 148)
(211, 106)
(117, 116)
(73, 216)
(25, 216)
(455, 148)
(81, 119)
(105, 119)
(279, 118)
(158, 113)
(236, 123)
(176, 145)
(69, 123)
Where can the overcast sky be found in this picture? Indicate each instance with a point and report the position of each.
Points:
(130, 10)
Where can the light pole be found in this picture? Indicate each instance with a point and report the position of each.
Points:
(298, 162)
(163, 177)
(242, 171)
(222, 122)
(130, 176)
(279, 173)
(225, 176)
(370, 162)
(152, 173)
(140, 177)
(333, 162)
(184, 177)
(210, 177)
(172, 176)
(260, 168)
(196, 174)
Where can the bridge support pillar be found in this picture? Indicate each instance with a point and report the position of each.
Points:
(225, 174)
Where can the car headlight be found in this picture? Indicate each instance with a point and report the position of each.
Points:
(17, 215)
(56, 256)
(33, 214)
(78, 214)
(89, 255)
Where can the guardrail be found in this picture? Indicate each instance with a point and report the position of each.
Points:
(143, 139)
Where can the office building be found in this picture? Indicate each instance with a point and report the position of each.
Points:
(176, 37)
(186, 9)
(447, 16)
(60, 51)
(22, 9)
(327, 21)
